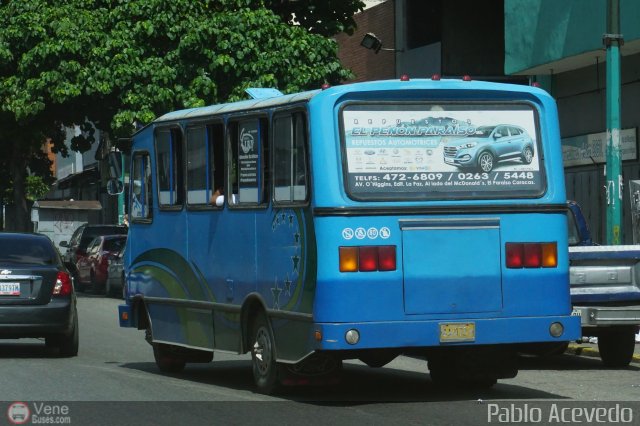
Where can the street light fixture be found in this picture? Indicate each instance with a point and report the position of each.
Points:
(370, 41)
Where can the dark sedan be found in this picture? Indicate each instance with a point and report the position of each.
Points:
(37, 298)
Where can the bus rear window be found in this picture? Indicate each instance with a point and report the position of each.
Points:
(441, 151)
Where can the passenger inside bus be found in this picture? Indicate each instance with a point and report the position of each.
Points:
(217, 197)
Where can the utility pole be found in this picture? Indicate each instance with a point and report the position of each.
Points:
(612, 41)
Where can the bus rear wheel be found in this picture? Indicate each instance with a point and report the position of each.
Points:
(263, 356)
(167, 361)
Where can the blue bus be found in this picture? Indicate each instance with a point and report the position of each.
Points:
(363, 221)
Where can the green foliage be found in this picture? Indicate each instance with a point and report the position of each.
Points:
(124, 61)
(35, 187)
(118, 63)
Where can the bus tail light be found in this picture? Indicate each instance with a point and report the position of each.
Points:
(549, 255)
(387, 258)
(531, 255)
(348, 259)
(367, 258)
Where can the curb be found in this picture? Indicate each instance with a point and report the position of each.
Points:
(592, 351)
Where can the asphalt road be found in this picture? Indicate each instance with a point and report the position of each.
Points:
(115, 381)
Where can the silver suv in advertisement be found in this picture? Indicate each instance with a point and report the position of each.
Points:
(488, 146)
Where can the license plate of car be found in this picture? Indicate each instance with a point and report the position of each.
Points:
(457, 332)
(9, 289)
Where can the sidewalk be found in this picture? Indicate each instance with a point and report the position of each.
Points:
(591, 350)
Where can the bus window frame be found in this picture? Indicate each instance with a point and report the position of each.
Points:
(231, 129)
(181, 167)
(135, 219)
(291, 111)
(217, 121)
(500, 195)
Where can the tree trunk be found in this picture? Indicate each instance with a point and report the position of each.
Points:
(18, 171)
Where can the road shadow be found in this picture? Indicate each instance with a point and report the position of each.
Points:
(359, 384)
(26, 348)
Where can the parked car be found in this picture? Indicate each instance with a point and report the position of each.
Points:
(37, 297)
(92, 267)
(115, 276)
(489, 145)
(77, 245)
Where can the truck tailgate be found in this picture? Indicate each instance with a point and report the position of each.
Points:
(604, 273)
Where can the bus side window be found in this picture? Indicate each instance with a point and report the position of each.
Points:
(169, 165)
(205, 164)
(290, 159)
(248, 162)
(141, 195)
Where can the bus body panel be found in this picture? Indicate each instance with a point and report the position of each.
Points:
(202, 273)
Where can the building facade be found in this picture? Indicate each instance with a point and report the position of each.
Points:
(558, 44)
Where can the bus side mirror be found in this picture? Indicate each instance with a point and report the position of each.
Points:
(114, 187)
(115, 165)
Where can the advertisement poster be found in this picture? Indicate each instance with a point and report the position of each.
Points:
(248, 160)
(430, 151)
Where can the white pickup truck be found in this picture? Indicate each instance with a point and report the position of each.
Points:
(605, 290)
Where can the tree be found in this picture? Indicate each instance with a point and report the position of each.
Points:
(113, 63)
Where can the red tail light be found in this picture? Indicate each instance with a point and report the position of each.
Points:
(63, 285)
(515, 255)
(387, 258)
(531, 255)
(367, 258)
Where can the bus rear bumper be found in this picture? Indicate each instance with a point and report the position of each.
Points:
(439, 333)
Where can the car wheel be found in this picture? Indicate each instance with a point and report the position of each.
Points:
(66, 344)
(263, 356)
(617, 346)
(527, 155)
(107, 288)
(79, 285)
(485, 162)
(96, 287)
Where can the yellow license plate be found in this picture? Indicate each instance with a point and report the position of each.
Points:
(457, 332)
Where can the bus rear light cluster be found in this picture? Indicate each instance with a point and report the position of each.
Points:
(367, 258)
(531, 255)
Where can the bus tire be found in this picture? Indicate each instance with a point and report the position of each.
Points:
(616, 347)
(263, 356)
(166, 361)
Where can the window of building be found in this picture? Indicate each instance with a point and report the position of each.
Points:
(290, 158)
(424, 22)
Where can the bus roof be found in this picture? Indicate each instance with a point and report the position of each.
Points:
(382, 85)
(236, 106)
